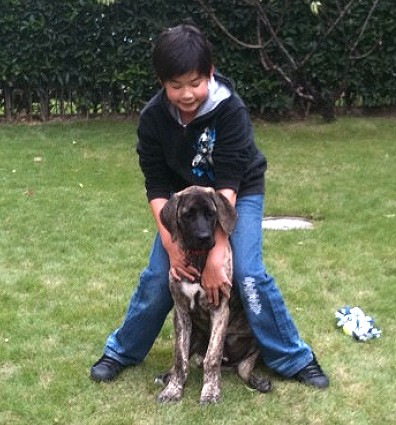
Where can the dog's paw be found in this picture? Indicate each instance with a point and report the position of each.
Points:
(261, 384)
(171, 394)
(210, 394)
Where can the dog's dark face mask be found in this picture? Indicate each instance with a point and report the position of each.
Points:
(197, 220)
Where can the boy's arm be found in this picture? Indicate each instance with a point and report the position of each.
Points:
(178, 268)
(214, 278)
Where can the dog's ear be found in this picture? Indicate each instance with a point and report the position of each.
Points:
(168, 216)
(226, 213)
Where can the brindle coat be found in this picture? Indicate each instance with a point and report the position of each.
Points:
(220, 335)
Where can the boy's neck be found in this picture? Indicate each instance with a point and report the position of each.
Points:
(187, 117)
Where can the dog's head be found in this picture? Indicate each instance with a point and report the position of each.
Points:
(192, 215)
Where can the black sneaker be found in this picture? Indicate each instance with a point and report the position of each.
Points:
(106, 369)
(313, 375)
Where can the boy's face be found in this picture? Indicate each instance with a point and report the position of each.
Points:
(187, 92)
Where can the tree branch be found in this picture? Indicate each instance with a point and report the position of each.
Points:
(360, 36)
(270, 29)
(224, 29)
(268, 65)
(331, 28)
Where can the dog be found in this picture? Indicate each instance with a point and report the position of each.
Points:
(221, 335)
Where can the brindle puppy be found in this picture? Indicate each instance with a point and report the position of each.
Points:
(221, 335)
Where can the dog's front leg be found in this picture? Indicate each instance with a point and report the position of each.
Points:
(211, 390)
(174, 390)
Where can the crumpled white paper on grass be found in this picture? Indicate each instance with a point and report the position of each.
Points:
(356, 323)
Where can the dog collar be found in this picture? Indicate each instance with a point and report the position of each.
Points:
(197, 252)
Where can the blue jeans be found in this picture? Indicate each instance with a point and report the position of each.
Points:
(282, 349)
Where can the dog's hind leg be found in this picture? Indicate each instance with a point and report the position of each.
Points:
(211, 390)
(178, 374)
(245, 372)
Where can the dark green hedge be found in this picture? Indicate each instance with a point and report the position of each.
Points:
(81, 57)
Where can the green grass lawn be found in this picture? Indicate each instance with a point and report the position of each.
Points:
(75, 232)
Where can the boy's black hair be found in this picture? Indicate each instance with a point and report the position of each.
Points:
(180, 50)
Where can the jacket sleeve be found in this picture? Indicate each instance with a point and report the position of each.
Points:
(234, 147)
(152, 160)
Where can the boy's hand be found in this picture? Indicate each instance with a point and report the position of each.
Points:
(178, 267)
(214, 279)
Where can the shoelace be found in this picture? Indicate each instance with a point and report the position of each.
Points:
(312, 370)
(108, 361)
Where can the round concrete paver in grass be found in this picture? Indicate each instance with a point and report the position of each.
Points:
(286, 223)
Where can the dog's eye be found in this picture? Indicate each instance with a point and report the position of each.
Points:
(189, 214)
(210, 215)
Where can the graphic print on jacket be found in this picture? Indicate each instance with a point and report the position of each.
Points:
(202, 162)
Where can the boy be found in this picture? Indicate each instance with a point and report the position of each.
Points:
(197, 131)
